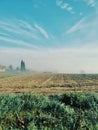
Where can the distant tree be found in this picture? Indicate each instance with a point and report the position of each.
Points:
(22, 65)
(10, 68)
(82, 72)
(17, 69)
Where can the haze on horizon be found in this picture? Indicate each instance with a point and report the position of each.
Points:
(59, 35)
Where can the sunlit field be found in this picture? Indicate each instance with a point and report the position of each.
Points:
(47, 83)
(48, 64)
(48, 101)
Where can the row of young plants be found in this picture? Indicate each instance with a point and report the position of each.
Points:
(70, 111)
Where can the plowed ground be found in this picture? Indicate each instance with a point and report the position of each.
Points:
(47, 83)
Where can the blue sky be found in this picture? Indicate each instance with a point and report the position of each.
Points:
(50, 35)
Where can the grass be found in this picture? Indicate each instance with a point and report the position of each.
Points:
(69, 111)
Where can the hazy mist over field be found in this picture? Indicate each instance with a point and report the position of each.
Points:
(50, 35)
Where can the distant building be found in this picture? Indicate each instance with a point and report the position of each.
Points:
(2, 68)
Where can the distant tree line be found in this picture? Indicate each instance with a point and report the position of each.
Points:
(21, 68)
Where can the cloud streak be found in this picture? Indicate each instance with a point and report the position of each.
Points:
(21, 28)
(42, 31)
(22, 33)
(91, 3)
(86, 26)
(18, 42)
(65, 6)
(78, 26)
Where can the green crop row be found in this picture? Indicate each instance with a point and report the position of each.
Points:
(70, 111)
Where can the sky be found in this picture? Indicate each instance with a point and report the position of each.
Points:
(50, 35)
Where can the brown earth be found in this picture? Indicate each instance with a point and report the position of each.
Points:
(47, 83)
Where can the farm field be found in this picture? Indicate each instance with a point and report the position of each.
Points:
(47, 101)
(47, 83)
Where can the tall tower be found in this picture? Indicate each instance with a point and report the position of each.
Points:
(22, 65)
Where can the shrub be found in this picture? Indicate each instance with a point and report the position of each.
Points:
(70, 111)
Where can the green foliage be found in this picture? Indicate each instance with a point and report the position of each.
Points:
(71, 111)
(78, 100)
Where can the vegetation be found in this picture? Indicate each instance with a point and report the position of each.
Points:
(65, 111)
(70, 111)
(12, 69)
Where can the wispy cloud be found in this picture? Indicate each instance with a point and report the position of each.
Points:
(78, 26)
(38, 4)
(18, 27)
(90, 2)
(17, 42)
(86, 27)
(84, 33)
(22, 33)
(26, 25)
(64, 5)
(42, 31)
